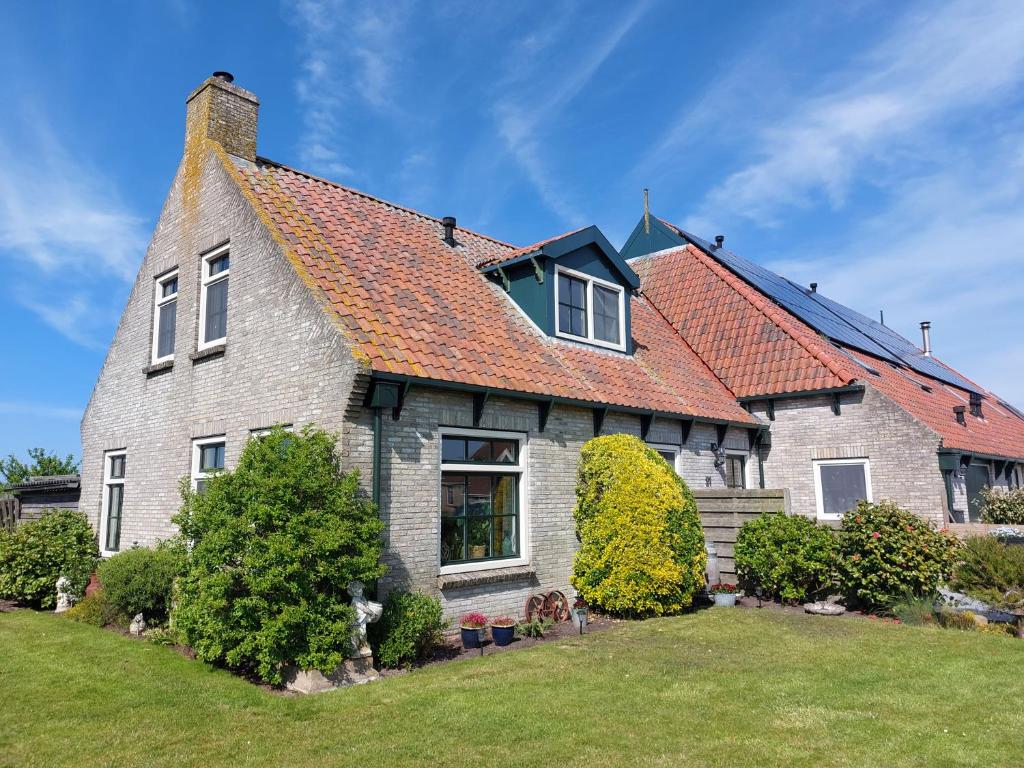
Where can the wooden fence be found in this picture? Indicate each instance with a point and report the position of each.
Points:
(722, 512)
(9, 508)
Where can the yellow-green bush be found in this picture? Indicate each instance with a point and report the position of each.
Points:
(642, 548)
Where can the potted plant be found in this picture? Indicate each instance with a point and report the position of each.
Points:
(579, 612)
(474, 629)
(503, 630)
(724, 594)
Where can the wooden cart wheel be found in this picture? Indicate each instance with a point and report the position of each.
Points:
(534, 607)
(558, 606)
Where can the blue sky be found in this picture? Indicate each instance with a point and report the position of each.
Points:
(875, 148)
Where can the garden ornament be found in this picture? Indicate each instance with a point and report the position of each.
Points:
(367, 612)
(63, 594)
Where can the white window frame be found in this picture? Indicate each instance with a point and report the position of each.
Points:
(591, 281)
(521, 468)
(206, 281)
(667, 447)
(819, 497)
(158, 302)
(107, 482)
(745, 455)
(261, 432)
(197, 446)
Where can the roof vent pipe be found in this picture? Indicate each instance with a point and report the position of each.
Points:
(814, 287)
(926, 338)
(959, 411)
(719, 240)
(448, 222)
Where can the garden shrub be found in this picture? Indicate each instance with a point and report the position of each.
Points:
(642, 546)
(274, 545)
(886, 551)
(409, 630)
(1002, 506)
(790, 557)
(991, 571)
(140, 581)
(37, 553)
(97, 610)
(915, 610)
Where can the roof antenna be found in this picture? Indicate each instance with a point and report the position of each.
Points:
(647, 213)
(881, 316)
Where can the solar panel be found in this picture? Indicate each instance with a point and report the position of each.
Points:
(832, 319)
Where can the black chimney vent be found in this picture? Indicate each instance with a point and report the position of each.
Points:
(719, 240)
(976, 405)
(448, 222)
(959, 412)
(814, 287)
(227, 77)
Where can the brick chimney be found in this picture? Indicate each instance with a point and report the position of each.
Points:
(221, 111)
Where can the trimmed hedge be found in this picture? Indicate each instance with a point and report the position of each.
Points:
(887, 552)
(789, 556)
(37, 553)
(141, 580)
(642, 546)
(409, 630)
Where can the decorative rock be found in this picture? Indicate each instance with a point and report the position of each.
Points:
(822, 608)
(138, 625)
(63, 594)
(350, 672)
(980, 619)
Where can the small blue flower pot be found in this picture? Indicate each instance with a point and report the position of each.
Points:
(503, 635)
(472, 637)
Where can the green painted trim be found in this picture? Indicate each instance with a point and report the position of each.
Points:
(802, 393)
(378, 427)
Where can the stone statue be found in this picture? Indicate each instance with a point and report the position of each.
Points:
(64, 598)
(138, 625)
(367, 612)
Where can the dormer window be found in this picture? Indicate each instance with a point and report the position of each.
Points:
(590, 309)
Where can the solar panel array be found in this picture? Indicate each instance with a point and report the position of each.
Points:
(832, 319)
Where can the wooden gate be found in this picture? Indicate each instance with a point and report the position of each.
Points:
(9, 508)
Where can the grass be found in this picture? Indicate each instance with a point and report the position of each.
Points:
(714, 688)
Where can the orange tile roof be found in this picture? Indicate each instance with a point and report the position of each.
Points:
(491, 261)
(415, 306)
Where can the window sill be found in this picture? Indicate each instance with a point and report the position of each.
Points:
(217, 350)
(161, 367)
(489, 576)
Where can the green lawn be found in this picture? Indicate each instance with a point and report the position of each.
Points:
(719, 687)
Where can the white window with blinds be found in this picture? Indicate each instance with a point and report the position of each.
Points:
(213, 301)
(839, 484)
(115, 471)
(165, 317)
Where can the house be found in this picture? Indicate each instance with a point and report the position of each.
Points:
(855, 410)
(463, 374)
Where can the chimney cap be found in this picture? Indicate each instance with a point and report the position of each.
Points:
(814, 287)
(448, 222)
(227, 77)
(719, 240)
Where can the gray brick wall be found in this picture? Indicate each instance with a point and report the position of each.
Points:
(902, 451)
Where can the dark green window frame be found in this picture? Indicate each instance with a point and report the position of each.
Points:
(479, 526)
(466, 449)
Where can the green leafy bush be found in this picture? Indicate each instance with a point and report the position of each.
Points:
(788, 556)
(886, 551)
(915, 610)
(140, 581)
(409, 630)
(1002, 506)
(37, 553)
(991, 571)
(96, 610)
(535, 627)
(642, 547)
(274, 545)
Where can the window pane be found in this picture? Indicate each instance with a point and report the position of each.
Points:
(200, 486)
(504, 451)
(453, 495)
(504, 495)
(165, 332)
(453, 449)
(479, 502)
(842, 486)
(572, 305)
(478, 450)
(117, 466)
(579, 293)
(670, 457)
(218, 265)
(506, 536)
(453, 539)
(115, 500)
(216, 310)
(169, 288)
(606, 314)
(734, 476)
(211, 457)
(479, 537)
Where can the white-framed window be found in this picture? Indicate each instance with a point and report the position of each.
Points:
(668, 452)
(213, 299)
(115, 470)
(839, 484)
(735, 469)
(483, 506)
(260, 432)
(165, 316)
(207, 460)
(590, 309)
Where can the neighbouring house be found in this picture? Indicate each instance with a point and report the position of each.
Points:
(38, 494)
(462, 373)
(856, 410)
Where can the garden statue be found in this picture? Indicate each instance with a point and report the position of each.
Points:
(63, 594)
(138, 625)
(367, 612)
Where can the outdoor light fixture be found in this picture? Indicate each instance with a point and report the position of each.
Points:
(579, 612)
(759, 591)
(719, 452)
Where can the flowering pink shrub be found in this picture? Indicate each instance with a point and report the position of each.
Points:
(473, 620)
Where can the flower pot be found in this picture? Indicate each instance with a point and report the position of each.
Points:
(473, 637)
(725, 599)
(503, 635)
(477, 551)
